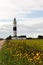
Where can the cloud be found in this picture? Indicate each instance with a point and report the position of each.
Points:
(13, 8)
(27, 21)
(30, 21)
(5, 29)
(32, 31)
(31, 27)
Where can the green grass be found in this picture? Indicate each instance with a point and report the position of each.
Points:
(22, 52)
(35, 43)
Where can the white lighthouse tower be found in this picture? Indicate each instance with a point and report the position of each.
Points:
(14, 28)
(15, 31)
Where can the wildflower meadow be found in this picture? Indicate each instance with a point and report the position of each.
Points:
(22, 52)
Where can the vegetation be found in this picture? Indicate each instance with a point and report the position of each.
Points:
(1, 39)
(22, 52)
(40, 37)
(9, 38)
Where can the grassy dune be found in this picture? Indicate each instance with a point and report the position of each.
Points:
(22, 52)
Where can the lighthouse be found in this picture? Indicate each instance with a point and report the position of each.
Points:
(14, 28)
(15, 31)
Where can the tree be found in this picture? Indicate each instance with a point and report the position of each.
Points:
(8, 38)
(40, 37)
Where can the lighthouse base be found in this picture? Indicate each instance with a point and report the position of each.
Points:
(18, 37)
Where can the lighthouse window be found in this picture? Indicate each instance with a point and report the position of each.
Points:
(14, 28)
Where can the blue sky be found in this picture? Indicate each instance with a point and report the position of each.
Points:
(29, 16)
(34, 14)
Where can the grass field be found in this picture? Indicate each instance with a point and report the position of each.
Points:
(22, 52)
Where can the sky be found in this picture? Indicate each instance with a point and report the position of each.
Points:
(28, 14)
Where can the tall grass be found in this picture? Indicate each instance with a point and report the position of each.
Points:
(22, 52)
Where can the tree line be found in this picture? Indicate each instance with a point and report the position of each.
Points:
(39, 37)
